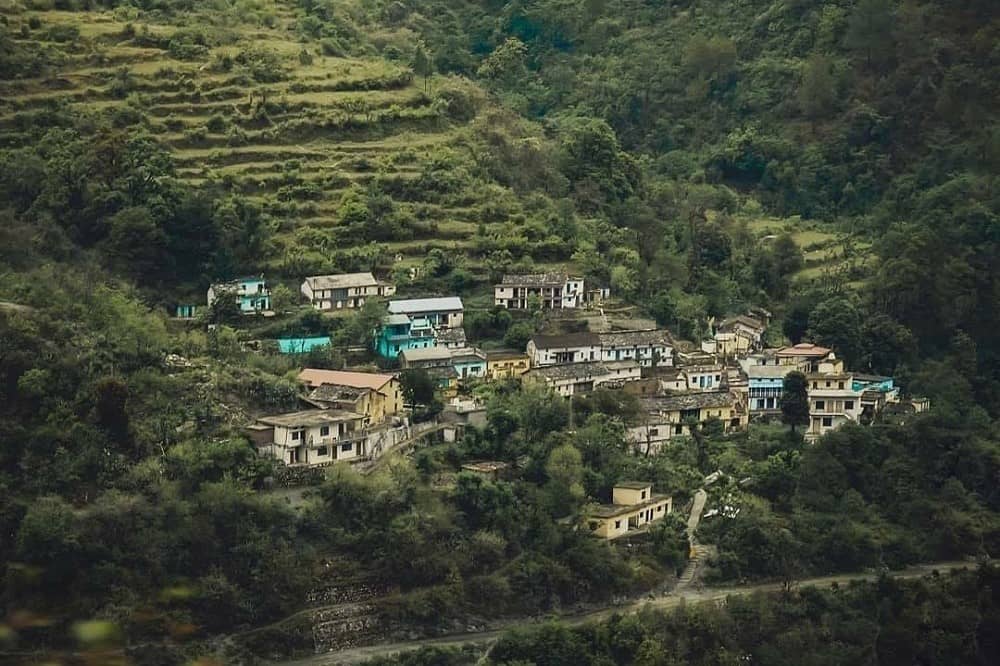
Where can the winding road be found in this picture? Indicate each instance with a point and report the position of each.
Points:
(485, 638)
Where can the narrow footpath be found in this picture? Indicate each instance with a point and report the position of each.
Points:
(709, 595)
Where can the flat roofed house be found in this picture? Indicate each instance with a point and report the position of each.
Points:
(311, 437)
(833, 401)
(344, 291)
(552, 291)
(577, 378)
(378, 396)
(633, 507)
(251, 294)
(443, 312)
(566, 348)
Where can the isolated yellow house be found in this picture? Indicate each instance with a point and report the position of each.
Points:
(633, 506)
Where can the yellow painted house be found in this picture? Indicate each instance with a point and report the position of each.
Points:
(506, 364)
(377, 396)
(633, 506)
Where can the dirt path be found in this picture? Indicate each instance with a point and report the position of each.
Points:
(485, 638)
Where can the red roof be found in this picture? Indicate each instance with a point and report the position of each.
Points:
(313, 377)
(803, 349)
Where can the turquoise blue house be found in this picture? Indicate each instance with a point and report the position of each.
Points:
(302, 345)
(469, 363)
(400, 332)
(861, 382)
(251, 294)
(185, 311)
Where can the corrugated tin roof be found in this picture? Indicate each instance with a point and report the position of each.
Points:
(315, 377)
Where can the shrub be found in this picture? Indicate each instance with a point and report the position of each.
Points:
(216, 123)
(64, 33)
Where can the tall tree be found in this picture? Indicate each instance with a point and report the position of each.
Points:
(795, 401)
(423, 66)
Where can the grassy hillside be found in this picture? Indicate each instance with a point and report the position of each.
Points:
(339, 147)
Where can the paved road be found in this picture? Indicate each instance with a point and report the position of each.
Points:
(484, 638)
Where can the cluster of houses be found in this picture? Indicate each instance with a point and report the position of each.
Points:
(728, 380)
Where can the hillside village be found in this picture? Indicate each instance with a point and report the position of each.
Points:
(723, 383)
(499, 333)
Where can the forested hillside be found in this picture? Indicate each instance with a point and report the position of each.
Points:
(833, 161)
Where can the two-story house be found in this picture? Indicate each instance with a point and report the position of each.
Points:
(649, 347)
(566, 348)
(400, 332)
(344, 291)
(311, 437)
(551, 291)
(765, 386)
(444, 312)
(633, 506)
(506, 364)
(577, 378)
(675, 413)
(376, 395)
(804, 356)
(250, 293)
(468, 363)
(703, 377)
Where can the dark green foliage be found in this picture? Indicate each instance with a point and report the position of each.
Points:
(940, 619)
(795, 401)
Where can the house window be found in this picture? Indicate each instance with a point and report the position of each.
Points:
(322, 451)
(848, 404)
(643, 495)
(296, 435)
(820, 405)
(827, 421)
(324, 431)
(828, 383)
(618, 524)
(659, 509)
(346, 447)
(678, 429)
(653, 432)
(815, 384)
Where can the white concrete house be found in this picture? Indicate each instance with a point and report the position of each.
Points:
(554, 291)
(567, 348)
(311, 437)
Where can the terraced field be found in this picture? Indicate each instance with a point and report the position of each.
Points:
(250, 106)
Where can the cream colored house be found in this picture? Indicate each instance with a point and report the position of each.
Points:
(633, 506)
(311, 437)
(833, 401)
(377, 396)
(344, 291)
